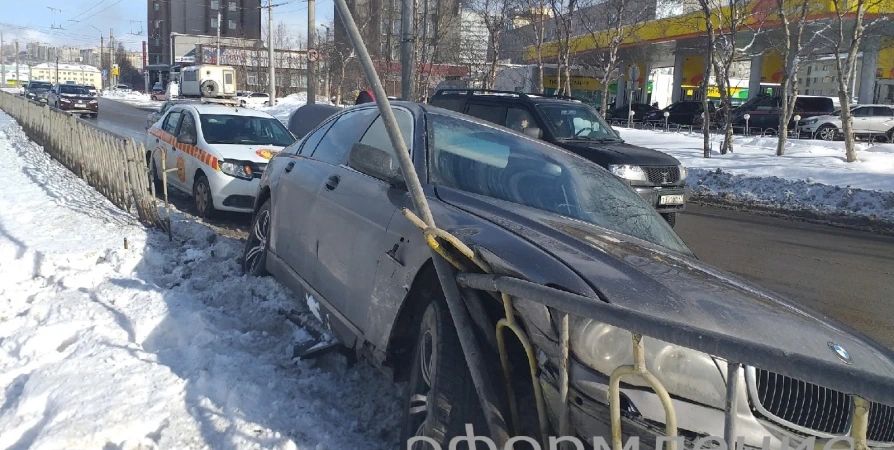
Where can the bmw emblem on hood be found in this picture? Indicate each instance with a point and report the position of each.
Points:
(841, 353)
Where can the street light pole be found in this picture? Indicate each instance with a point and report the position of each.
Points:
(311, 65)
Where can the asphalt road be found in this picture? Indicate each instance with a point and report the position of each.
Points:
(846, 274)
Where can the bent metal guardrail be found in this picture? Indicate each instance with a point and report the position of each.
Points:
(114, 165)
(860, 384)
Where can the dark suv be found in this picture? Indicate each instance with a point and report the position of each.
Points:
(578, 128)
(38, 91)
(764, 110)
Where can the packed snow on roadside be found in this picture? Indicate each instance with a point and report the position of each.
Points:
(812, 175)
(285, 106)
(160, 345)
(133, 98)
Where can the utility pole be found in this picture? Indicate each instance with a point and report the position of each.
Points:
(112, 78)
(271, 77)
(2, 62)
(311, 43)
(407, 50)
(102, 52)
(57, 69)
(18, 78)
(220, 7)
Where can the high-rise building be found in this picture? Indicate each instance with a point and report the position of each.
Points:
(238, 19)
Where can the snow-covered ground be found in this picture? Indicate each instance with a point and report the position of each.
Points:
(137, 99)
(285, 106)
(160, 345)
(812, 175)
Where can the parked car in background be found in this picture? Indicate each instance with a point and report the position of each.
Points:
(868, 121)
(123, 87)
(640, 111)
(74, 99)
(684, 112)
(158, 92)
(38, 91)
(328, 224)
(220, 153)
(764, 111)
(252, 98)
(657, 177)
(90, 89)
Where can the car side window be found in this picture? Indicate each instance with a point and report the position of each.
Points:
(518, 119)
(862, 112)
(377, 136)
(172, 122)
(490, 113)
(307, 145)
(883, 111)
(188, 126)
(342, 135)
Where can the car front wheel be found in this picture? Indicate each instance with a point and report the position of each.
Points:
(827, 132)
(254, 258)
(201, 193)
(441, 396)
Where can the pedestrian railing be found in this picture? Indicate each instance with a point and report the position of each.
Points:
(114, 165)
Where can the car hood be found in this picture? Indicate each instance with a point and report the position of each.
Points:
(646, 278)
(85, 98)
(824, 118)
(618, 153)
(254, 153)
(39, 91)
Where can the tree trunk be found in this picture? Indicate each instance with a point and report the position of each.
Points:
(847, 126)
(784, 118)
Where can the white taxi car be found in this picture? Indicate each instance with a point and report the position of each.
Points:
(219, 151)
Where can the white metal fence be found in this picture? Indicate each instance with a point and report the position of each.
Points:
(114, 165)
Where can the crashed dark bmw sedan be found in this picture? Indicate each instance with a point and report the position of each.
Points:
(328, 223)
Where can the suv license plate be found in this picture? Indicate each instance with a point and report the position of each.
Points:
(670, 200)
(80, 105)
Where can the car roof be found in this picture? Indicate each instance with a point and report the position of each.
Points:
(205, 108)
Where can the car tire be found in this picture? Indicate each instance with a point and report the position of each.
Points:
(254, 257)
(890, 136)
(441, 397)
(826, 132)
(202, 199)
(671, 218)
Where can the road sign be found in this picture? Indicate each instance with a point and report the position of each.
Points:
(312, 55)
(105, 75)
(633, 73)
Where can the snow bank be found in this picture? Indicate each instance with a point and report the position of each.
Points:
(812, 175)
(161, 345)
(285, 106)
(138, 99)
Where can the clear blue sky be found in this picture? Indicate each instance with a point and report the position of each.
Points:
(34, 20)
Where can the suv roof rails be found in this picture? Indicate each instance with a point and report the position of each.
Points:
(524, 95)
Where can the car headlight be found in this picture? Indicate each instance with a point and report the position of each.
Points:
(686, 373)
(809, 121)
(236, 169)
(628, 172)
(92, 102)
(683, 172)
(64, 100)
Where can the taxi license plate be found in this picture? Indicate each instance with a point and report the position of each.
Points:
(670, 200)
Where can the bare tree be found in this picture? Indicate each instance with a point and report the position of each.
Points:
(535, 13)
(730, 17)
(706, 8)
(610, 23)
(563, 14)
(494, 14)
(792, 17)
(849, 26)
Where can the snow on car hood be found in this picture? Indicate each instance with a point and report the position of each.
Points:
(646, 278)
(254, 153)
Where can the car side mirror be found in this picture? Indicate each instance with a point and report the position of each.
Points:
(533, 132)
(375, 162)
(184, 138)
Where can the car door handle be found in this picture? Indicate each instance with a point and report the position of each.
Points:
(156, 140)
(290, 166)
(332, 182)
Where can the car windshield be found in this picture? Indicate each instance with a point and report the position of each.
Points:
(487, 161)
(231, 129)
(40, 86)
(73, 90)
(576, 121)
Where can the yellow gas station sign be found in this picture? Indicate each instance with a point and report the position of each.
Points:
(577, 83)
